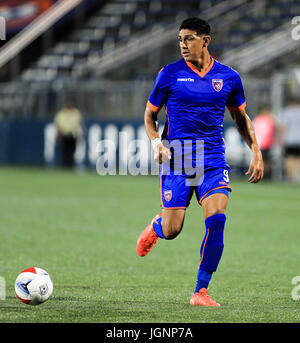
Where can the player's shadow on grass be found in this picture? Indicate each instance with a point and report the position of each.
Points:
(66, 298)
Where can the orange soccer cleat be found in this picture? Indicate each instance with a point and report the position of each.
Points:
(146, 241)
(202, 298)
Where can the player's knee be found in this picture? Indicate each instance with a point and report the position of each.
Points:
(215, 204)
(217, 210)
(171, 229)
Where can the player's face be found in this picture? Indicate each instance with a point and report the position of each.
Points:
(191, 45)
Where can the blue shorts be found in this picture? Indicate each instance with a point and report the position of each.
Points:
(176, 191)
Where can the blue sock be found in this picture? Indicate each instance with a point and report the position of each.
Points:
(203, 279)
(211, 249)
(156, 222)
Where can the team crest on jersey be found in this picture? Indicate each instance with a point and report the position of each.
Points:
(217, 84)
(168, 195)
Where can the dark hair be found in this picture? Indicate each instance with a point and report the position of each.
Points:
(196, 24)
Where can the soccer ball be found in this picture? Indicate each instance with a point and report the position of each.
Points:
(33, 286)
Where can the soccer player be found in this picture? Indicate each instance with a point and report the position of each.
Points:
(195, 91)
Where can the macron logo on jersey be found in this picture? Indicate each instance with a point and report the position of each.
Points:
(186, 79)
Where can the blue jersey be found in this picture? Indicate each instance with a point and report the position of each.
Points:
(195, 104)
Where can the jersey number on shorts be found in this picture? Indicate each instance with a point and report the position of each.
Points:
(226, 176)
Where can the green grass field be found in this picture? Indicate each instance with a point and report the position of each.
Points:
(82, 228)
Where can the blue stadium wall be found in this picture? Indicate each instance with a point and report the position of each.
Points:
(34, 143)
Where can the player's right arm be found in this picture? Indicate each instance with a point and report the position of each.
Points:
(157, 99)
(161, 153)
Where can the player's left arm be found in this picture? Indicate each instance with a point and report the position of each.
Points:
(244, 125)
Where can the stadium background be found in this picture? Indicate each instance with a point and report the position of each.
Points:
(104, 57)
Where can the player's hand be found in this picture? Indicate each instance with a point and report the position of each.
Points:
(162, 154)
(256, 168)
